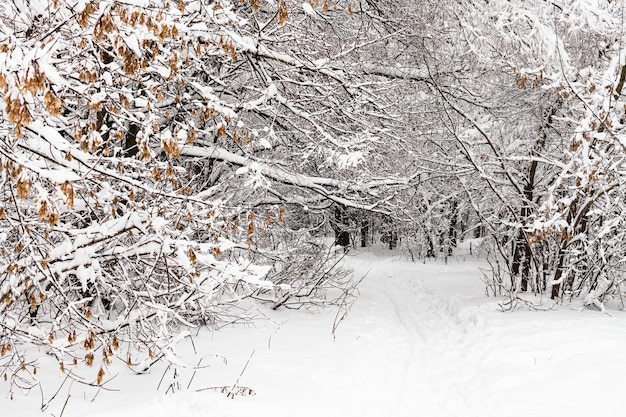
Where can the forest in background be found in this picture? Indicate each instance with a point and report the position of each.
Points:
(164, 163)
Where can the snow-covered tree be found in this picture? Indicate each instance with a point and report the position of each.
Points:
(164, 160)
(529, 112)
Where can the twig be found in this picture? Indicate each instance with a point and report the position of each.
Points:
(44, 405)
(65, 404)
(163, 376)
(232, 392)
(344, 306)
(194, 372)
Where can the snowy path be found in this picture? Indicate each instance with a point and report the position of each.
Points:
(433, 345)
(449, 351)
(421, 340)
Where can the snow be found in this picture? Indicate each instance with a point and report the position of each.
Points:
(348, 160)
(308, 9)
(421, 340)
(133, 44)
(263, 142)
(52, 74)
(141, 102)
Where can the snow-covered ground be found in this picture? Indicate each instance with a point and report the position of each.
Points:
(422, 340)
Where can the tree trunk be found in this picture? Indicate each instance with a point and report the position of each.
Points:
(365, 225)
(130, 140)
(452, 235)
(342, 236)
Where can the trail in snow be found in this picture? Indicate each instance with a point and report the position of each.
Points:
(433, 343)
(454, 353)
(421, 340)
